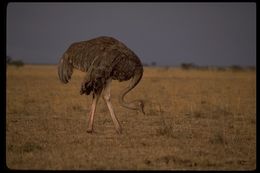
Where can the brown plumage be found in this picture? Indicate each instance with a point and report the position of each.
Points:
(103, 59)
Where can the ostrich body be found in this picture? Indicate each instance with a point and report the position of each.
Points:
(103, 59)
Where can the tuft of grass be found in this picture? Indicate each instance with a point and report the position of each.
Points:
(30, 147)
(165, 130)
(77, 108)
(217, 138)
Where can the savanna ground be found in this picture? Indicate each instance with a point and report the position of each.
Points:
(195, 120)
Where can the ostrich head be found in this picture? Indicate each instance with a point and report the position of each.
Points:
(141, 106)
(137, 105)
(65, 69)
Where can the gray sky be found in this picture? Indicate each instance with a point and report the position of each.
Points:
(166, 33)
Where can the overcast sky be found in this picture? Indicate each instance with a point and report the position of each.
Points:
(165, 33)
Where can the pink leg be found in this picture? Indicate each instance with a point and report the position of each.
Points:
(106, 97)
(92, 113)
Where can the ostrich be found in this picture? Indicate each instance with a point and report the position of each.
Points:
(103, 59)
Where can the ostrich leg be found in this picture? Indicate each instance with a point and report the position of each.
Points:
(106, 97)
(92, 113)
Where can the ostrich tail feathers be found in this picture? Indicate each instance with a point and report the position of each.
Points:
(65, 69)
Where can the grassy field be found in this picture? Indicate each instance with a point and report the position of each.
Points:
(195, 120)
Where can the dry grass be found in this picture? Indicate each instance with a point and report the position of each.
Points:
(195, 120)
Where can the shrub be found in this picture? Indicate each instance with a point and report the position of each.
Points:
(8, 59)
(153, 63)
(17, 63)
(187, 66)
(252, 68)
(236, 68)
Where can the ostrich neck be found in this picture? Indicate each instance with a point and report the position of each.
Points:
(131, 105)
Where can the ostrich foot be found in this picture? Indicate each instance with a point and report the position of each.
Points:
(89, 130)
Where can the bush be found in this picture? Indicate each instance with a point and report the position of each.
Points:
(236, 68)
(8, 59)
(187, 66)
(221, 68)
(252, 68)
(153, 63)
(145, 64)
(17, 63)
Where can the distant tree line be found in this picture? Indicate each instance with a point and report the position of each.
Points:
(17, 63)
(188, 66)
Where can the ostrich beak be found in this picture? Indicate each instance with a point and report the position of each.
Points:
(142, 108)
(143, 111)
